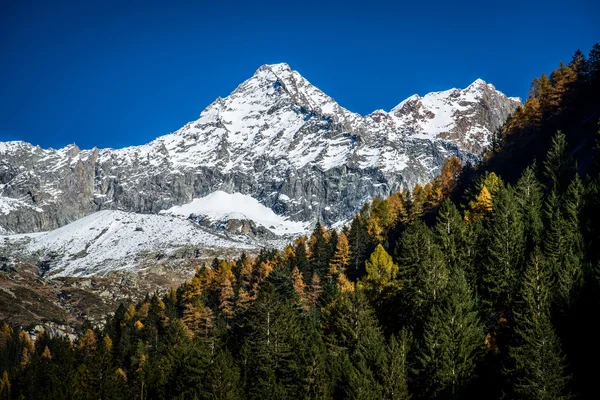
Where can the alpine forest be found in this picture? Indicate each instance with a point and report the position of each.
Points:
(481, 284)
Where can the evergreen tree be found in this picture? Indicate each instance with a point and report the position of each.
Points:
(222, 378)
(350, 321)
(423, 273)
(557, 164)
(319, 251)
(273, 332)
(453, 236)
(301, 259)
(505, 241)
(571, 271)
(452, 338)
(529, 195)
(395, 370)
(359, 240)
(539, 365)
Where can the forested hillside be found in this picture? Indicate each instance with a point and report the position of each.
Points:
(473, 286)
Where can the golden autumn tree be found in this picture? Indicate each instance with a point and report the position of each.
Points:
(343, 284)
(87, 343)
(417, 202)
(289, 255)
(192, 315)
(381, 269)
(341, 257)
(299, 285)
(481, 206)
(397, 210)
(226, 300)
(28, 348)
(5, 335)
(46, 355)
(445, 182)
(129, 315)
(264, 269)
(244, 299)
(5, 386)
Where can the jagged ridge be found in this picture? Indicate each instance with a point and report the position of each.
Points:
(276, 137)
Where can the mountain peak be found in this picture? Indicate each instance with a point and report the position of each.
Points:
(277, 69)
(478, 82)
(273, 129)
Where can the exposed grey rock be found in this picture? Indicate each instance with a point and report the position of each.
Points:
(276, 137)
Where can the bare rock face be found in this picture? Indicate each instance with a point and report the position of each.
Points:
(275, 137)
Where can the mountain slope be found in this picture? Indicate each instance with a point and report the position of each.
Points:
(111, 240)
(276, 138)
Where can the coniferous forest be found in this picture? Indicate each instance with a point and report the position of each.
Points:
(483, 284)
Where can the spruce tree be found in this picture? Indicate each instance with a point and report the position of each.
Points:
(222, 380)
(530, 195)
(539, 371)
(570, 270)
(452, 338)
(359, 240)
(394, 375)
(423, 273)
(505, 242)
(557, 164)
(301, 259)
(273, 333)
(319, 251)
(453, 236)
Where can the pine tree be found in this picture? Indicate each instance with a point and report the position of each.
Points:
(529, 195)
(319, 251)
(570, 270)
(223, 378)
(452, 338)
(423, 273)
(555, 243)
(301, 259)
(539, 365)
(273, 331)
(395, 370)
(452, 233)
(348, 321)
(505, 242)
(557, 164)
(594, 65)
(359, 240)
(362, 383)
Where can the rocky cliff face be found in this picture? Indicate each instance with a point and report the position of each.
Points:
(275, 137)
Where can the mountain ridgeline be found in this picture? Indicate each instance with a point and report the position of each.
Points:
(276, 138)
(472, 286)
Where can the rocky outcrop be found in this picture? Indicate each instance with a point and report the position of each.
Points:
(276, 137)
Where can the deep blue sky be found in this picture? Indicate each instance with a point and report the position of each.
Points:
(108, 74)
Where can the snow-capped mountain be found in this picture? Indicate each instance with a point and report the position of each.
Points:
(276, 138)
